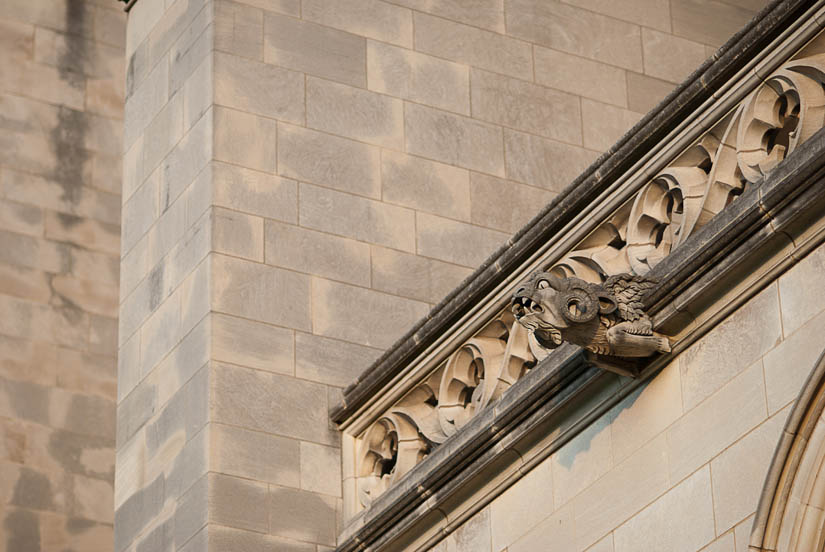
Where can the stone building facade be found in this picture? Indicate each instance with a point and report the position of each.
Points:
(304, 181)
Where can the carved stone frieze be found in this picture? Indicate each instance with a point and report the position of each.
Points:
(590, 296)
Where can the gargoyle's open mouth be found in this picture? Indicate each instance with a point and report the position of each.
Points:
(523, 305)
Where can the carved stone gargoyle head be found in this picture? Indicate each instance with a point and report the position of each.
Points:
(606, 319)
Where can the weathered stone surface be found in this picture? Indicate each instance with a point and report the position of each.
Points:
(370, 18)
(544, 163)
(802, 292)
(330, 361)
(604, 124)
(333, 315)
(648, 13)
(414, 276)
(260, 292)
(525, 106)
(576, 31)
(580, 76)
(238, 234)
(317, 253)
(472, 46)
(355, 113)
(255, 192)
(356, 217)
(515, 512)
(237, 502)
(504, 205)
(454, 139)
(321, 469)
(711, 22)
(582, 461)
(246, 140)
(644, 93)
(437, 237)
(315, 49)
(330, 161)
(227, 539)
(418, 77)
(690, 502)
(670, 58)
(559, 528)
(239, 452)
(253, 344)
(239, 30)
(258, 88)
(302, 515)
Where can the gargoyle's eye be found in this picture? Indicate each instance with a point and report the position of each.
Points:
(543, 284)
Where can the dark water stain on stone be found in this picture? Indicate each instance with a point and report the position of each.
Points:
(68, 137)
(29, 401)
(22, 531)
(67, 448)
(79, 525)
(33, 490)
(156, 286)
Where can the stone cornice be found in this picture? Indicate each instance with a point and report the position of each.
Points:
(707, 87)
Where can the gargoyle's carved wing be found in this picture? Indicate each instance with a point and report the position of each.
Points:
(629, 291)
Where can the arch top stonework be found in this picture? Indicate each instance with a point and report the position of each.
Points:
(791, 513)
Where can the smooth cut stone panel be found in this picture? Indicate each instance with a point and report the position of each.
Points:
(237, 502)
(254, 455)
(260, 292)
(473, 46)
(302, 515)
(575, 31)
(558, 528)
(504, 205)
(525, 106)
(605, 124)
(317, 253)
(657, 527)
(698, 436)
(362, 316)
(488, 14)
(245, 139)
(644, 93)
(576, 465)
(522, 506)
(437, 238)
(544, 163)
(355, 113)
(252, 344)
(258, 88)
(730, 347)
(272, 403)
(418, 77)
(228, 539)
(670, 58)
(330, 361)
(255, 192)
(239, 30)
(238, 234)
(357, 217)
(710, 21)
(315, 49)
(331, 161)
(581, 76)
(649, 13)
(425, 185)
(321, 469)
(414, 276)
(454, 139)
(370, 18)
(802, 291)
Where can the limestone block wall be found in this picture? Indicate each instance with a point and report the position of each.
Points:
(302, 181)
(679, 464)
(61, 110)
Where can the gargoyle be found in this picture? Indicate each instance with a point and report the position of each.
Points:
(605, 319)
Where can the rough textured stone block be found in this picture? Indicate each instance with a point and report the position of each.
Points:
(739, 473)
(227, 539)
(488, 14)
(140, 212)
(473, 46)
(255, 192)
(356, 217)
(454, 139)
(570, 29)
(437, 238)
(502, 204)
(370, 18)
(330, 361)
(315, 49)
(605, 124)
(255, 455)
(710, 22)
(146, 101)
(238, 234)
(583, 460)
(246, 140)
(690, 502)
(414, 276)
(644, 93)
(320, 469)
(544, 163)
(731, 347)
(418, 77)
(317, 253)
(302, 515)
(580, 76)
(648, 13)
(83, 232)
(670, 58)
(525, 106)
(237, 502)
(697, 437)
(330, 161)
(355, 113)
(198, 92)
(20, 218)
(159, 333)
(425, 185)
(260, 292)
(165, 130)
(252, 344)
(516, 511)
(361, 315)
(239, 30)
(258, 88)
(271, 403)
(188, 159)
